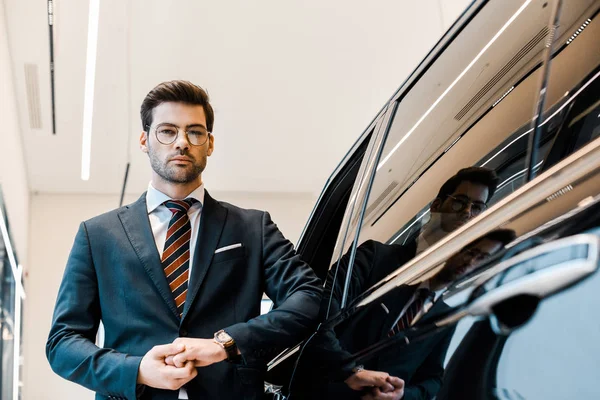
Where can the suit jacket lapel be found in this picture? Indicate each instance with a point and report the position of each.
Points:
(212, 222)
(137, 227)
(396, 301)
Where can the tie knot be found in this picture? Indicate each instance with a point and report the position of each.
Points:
(425, 294)
(180, 206)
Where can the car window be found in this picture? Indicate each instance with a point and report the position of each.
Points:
(458, 140)
(571, 119)
(472, 107)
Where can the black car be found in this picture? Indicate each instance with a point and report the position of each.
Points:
(459, 239)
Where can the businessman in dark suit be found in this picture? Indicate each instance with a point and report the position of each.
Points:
(177, 278)
(415, 370)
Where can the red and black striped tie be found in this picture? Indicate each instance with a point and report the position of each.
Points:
(412, 311)
(176, 254)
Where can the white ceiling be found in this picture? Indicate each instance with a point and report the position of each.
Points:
(293, 83)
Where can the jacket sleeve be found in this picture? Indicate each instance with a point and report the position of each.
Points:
(70, 348)
(296, 292)
(427, 380)
(326, 351)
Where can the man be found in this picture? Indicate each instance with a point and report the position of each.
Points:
(177, 278)
(461, 198)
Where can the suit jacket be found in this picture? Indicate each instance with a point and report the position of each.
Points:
(114, 275)
(419, 364)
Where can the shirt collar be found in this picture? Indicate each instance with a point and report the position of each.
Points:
(155, 198)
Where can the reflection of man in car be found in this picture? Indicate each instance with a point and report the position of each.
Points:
(413, 371)
(460, 198)
(463, 197)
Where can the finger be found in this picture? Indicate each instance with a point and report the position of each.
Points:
(180, 373)
(180, 359)
(395, 381)
(165, 350)
(384, 396)
(386, 387)
(169, 360)
(367, 396)
(377, 394)
(379, 379)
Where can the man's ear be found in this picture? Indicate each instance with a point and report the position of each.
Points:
(144, 142)
(436, 205)
(211, 144)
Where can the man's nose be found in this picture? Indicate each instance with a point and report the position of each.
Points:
(468, 209)
(182, 141)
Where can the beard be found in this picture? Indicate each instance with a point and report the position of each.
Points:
(177, 174)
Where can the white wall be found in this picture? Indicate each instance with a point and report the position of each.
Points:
(54, 222)
(55, 219)
(13, 174)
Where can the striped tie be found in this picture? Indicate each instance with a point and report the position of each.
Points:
(412, 311)
(176, 255)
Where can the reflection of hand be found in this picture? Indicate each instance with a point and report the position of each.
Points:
(366, 379)
(202, 352)
(379, 393)
(154, 372)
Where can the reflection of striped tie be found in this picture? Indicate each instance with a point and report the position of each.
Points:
(176, 255)
(412, 311)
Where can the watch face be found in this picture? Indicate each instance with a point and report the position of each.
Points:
(223, 337)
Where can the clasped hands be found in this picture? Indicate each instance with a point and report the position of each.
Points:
(376, 385)
(171, 366)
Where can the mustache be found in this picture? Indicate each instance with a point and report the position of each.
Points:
(183, 152)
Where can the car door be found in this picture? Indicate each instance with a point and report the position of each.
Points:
(472, 107)
(552, 352)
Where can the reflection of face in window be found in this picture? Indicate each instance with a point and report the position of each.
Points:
(465, 203)
(463, 197)
(464, 261)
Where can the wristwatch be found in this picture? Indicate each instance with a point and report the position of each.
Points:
(224, 340)
(358, 368)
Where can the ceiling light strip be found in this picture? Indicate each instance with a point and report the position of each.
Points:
(458, 78)
(579, 30)
(90, 77)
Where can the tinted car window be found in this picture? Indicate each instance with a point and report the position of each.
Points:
(572, 118)
(471, 104)
(458, 141)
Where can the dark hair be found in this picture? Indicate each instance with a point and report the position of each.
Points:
(504, 236)
(480, 175)
(178, 92)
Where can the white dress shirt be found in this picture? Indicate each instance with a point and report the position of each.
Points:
(160, 216)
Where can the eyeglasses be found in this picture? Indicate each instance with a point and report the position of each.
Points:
(476, 255)
(167, 134)
(461, 203)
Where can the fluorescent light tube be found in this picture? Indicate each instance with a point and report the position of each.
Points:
(90, 77)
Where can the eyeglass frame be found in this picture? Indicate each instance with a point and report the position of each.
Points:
(469, 203)
(187, 137)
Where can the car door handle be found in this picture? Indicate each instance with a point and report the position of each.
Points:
(548, 278)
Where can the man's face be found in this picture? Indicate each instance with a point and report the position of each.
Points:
(180, 161)
(467, 259)
(471, 195)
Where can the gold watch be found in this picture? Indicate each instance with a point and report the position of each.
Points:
(224, 340)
